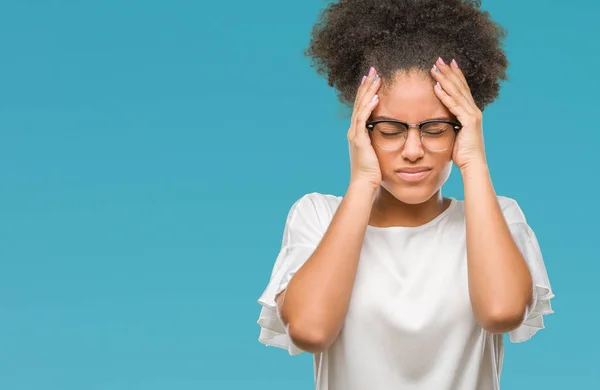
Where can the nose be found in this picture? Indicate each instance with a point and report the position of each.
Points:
(413, 147)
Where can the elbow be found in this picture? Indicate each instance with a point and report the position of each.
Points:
(308, 335)
(503, 320)
(313, 339)
(505, 314)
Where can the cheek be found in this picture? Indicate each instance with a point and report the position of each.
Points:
(443, 172)
(387, 160)
(443, 165)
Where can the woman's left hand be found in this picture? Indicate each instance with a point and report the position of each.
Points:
(452, 89)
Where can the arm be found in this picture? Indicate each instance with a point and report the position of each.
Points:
(500, 283)
(315, 303)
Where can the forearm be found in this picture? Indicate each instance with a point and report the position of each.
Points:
(500, 283)
(316, 300)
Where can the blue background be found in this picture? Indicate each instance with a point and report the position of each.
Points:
(150, 152)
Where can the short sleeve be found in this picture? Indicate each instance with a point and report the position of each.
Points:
(306, 223)
(527, 242)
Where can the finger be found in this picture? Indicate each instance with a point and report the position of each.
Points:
(368, 87)
(456, 77)
(449, 101)
(358, 103)
(359, 91)
(359, 125)
(362, 87)
(444, 74)
(451, 85)
(458, 72)
(451, 71)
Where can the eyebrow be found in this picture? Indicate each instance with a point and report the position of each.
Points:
(387, 118)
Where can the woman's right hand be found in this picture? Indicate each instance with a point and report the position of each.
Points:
(364, 165)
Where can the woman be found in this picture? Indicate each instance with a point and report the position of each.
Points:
(393, 286)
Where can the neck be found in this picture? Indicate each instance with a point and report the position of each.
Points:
(389, 211)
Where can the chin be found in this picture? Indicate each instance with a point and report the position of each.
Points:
(415, 194)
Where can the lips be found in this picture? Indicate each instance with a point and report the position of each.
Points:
(413, 174)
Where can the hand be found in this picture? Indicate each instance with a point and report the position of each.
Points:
(364, 165)
(452, 89)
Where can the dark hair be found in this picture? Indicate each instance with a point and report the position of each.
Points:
(353, 35)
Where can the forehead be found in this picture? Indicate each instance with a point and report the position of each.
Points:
(410, 97)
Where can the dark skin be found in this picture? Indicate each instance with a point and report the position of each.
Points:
(315, 303)
(410, 98)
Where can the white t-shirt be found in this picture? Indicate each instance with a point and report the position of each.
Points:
(410, 323)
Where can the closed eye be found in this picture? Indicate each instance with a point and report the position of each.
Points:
(394, 134)
(434, 133)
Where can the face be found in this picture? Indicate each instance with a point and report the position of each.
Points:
(410, 98)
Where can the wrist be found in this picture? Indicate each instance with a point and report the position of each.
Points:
(363, 188)
(477, 181)
(476, 167)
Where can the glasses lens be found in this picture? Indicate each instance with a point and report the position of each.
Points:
(389, 135)
(437, 136)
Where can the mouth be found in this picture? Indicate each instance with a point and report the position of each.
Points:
(413, 174)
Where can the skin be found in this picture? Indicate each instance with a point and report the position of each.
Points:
(314, 305)
(410, 98)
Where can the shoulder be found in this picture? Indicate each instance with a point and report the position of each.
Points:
(510, 209)
(315, 206)
(318, 201)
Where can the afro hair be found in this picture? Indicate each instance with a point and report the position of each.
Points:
(350, 36)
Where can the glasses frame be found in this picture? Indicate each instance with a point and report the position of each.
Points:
(455, 125)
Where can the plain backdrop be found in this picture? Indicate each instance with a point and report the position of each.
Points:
(150, 152)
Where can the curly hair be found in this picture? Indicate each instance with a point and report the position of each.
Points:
(400, 35)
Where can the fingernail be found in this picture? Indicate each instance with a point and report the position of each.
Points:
(438, 85)
(454, 63)
(363, 80)
(375, 78)
(371, 71)
(375, 98)
(441, 62)
(435, 69)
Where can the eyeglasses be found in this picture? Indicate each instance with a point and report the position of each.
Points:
(436, 135)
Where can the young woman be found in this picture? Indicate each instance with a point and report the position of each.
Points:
(394, 286)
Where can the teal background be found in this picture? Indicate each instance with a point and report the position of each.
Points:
(150, 152)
